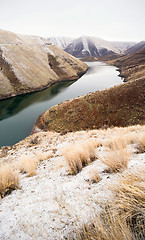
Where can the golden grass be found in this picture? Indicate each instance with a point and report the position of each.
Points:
(77, 155)
(141, 143)
(123, 217)
(90, 146)
(105, 227)
(71, 154)
(28, 164)
(94, 175)
(129, 201)
(9, 180)
(120, 141)
(41, 156)
(117, 160)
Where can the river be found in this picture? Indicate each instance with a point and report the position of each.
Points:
(18, 114)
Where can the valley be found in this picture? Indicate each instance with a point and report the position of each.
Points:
(120, 106)
(81, 174)
(18, 114)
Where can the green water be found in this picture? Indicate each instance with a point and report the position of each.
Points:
(18, 114)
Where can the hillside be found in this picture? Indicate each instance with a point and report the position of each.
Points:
(131, 66)
(137, 47)
(57, 197)
(90, 46)
(80, 185)
(121, 105)
(61, 42)
(29, 63)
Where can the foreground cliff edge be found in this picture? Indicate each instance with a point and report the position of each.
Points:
(121, 105)
(30, 63)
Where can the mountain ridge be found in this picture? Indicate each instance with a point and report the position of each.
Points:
(137, 47)
(85, 46)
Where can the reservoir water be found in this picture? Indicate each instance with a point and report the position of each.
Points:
(18, 114)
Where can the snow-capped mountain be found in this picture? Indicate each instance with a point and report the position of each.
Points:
(97, 47)
(90, 46)
(61, 42)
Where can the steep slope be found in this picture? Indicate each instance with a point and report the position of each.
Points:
(29, 63)
(123, 46)
(132, 66)
(61, 42)
(121, 105)
(96, 47)
(137, 47)
(90, 46)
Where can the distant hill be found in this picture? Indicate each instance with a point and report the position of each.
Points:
(123, 46)
(61, 42)
(89, 59)
(131, 66)
(137, 47)
(30, 63)
(91, 46)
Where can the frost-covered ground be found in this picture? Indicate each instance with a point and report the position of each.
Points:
(51, 204)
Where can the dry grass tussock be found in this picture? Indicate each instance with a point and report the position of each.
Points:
(94, 175)
(141, 143)
(28, 164)
(129, 200)
(123, 217)
(78, 155)
(120, 141)
(122, 131)
(105, 227)
(117, 160)
(42, 156)
(9, 180)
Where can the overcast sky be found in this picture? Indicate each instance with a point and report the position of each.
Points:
(109, 19)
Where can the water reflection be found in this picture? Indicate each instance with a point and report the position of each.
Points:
(12, 106)
(18, 114)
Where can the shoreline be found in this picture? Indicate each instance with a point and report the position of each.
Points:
(73, 78)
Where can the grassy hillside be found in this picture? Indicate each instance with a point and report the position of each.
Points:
(29, 63)
(121, 105)
(132, 66)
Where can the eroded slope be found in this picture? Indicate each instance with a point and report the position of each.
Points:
(29, 63)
